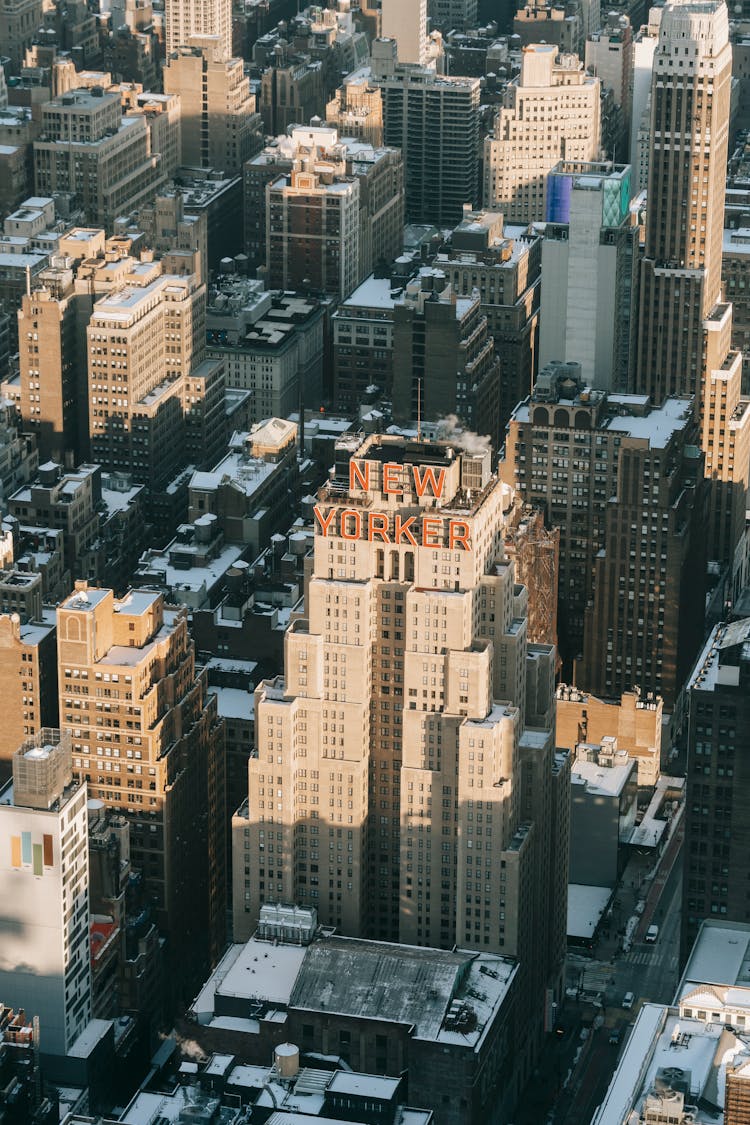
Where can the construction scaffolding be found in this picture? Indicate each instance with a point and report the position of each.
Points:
(535, 550)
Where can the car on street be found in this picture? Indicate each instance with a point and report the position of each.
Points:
(652, 934)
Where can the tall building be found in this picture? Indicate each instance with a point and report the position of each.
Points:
(549, 113)
(392, 790)
(684, 331)
(680, 280)
(52, 385)
(570, 449)
(644, 48)
(19, 22)
(716, 870)
(28, 662)
(185, 19)
(357, 109)
(220, 126)
(44, 891)
(150, 746)
(589, 269)
(444, 358)
(434, 120)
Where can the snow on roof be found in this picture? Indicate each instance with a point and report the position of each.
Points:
(606, 781)
(628, 1078)
(373, 293)
(363, 1085)
(720, 955)
(658, 426)
(585, 908)
(263, 971)
(233, 703)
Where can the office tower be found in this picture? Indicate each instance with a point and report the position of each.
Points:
(146, 360)
(444, 357)
(680, 277)
(406, 22)
(503, 263)
(292, 90)
(716, 868)
(589, 269)
(631, 573)
(363, 343)
(104, 159)
(28, 661)
(19, 22)
(356, 110)
(549, 113)
(453, 15)
(220, 126)
(44, 891)
(644, 47)
(434, 121)
(685, 334)
(185, 19)
(385, 742)
(149, 744)
(609, 55)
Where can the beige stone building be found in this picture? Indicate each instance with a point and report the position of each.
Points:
(356, 110)
(148, 379)
(551, 112)
(221, 128)
(405, 782)
(150, 745)
(108, 161)
(185, 19)
(27, 663)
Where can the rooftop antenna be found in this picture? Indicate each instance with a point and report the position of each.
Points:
(28, 281)
(419, 409)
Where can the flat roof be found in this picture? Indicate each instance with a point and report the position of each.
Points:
(606, 781)
(720, 955)
(586, 905)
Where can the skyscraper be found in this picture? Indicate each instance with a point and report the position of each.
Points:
(392, 789)
(684, 331)
(680, 280)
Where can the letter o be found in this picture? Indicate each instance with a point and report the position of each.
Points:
(357, 534)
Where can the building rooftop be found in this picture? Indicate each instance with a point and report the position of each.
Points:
(720, 955)
(599, 780)
(374, 293)
(404, 984)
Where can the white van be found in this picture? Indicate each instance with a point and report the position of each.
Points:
(628, 1000)
(652, 933)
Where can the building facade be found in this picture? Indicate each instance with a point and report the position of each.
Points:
(385, 742)
(150, 746)
(589, 272)
(551, 112)
(44, 880)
